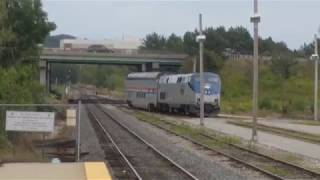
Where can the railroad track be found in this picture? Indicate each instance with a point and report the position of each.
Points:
(270, 166)
(138, 158)
(248, 155)
(117, 161)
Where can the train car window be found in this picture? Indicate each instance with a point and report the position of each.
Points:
(141, 95)
(179, 80)
(162, 95)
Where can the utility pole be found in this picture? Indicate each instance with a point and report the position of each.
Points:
(255, 19)
(194, 64)
(315, 57)
(201, 38)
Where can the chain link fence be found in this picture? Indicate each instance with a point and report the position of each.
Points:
(39, 132)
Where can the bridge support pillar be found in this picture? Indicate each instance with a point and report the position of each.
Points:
(44, 73)
(155, 66)
(143, 67)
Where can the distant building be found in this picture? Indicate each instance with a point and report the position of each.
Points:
(127, 46)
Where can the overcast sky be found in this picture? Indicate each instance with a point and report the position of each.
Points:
(291, 21)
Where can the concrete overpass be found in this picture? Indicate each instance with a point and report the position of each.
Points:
(144, 62)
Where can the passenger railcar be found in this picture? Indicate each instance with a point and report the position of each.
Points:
(141, 89)
(173, 92)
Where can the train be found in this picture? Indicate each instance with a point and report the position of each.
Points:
(163, 92)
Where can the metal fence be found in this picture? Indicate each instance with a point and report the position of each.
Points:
(40, 132)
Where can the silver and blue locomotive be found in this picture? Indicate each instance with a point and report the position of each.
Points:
(173, 92)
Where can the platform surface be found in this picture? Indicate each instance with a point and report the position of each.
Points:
(59, 171)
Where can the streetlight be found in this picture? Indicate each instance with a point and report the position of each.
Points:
(201, 38)
(255, 19)
(315, 57)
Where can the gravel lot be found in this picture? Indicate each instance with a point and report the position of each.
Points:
(197, 161)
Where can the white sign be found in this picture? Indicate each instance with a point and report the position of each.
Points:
(29, 121)
(71, 117)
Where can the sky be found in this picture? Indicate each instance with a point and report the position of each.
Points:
(291, 21)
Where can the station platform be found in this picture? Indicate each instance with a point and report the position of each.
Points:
(55, 171)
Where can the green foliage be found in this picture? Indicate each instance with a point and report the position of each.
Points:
(289, 97)
(212, 61)
(190, 45)
(23, 25)
(306, 50)
(240, 40)
(218, 44)
(174, 43)
(236, 86)
(282, 65)
(20, 85)
(111, 77)
(154, 41)
(62, 73)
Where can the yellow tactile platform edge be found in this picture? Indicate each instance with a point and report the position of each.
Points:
(96, 171)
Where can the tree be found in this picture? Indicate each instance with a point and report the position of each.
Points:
(216, 39)
(154, 41)
(174, 43)
(240, 39)
(282, 65)
(24, 25)
(306, 50)
(212, 61)
(190, 45)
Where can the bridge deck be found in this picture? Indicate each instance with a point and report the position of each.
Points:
(111, 58)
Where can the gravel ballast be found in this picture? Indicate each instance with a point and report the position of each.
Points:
(89, 140)
(197, 161)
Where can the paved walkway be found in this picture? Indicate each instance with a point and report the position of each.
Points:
(281, 123)
(287, 144)
(286, 124)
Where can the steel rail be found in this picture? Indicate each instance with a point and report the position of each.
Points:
(38, 105)
(148, 144)
(274, 176)
(115, 145)
(311, 172)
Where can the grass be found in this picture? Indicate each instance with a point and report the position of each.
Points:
(187, 130)
(290, 97)
(307, 122)
(20, 152)
(308, 137)
(276, 170)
